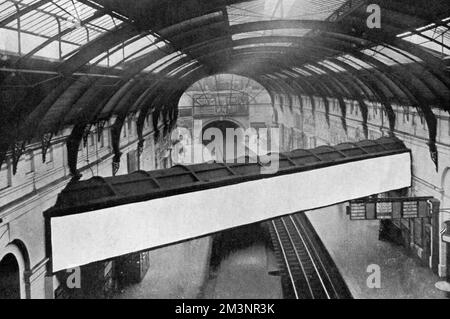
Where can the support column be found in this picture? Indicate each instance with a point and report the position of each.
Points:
(445, 285)
(446, 239)
(435, 222)
(36, 282)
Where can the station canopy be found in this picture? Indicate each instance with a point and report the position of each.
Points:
(79, 63)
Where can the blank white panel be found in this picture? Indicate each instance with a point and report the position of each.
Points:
(88, 237)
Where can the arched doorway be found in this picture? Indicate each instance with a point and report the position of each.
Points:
(9, 278)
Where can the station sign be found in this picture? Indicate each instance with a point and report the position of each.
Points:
(390, 208)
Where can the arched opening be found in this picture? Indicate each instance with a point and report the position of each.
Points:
(9, 278)
(225, 102)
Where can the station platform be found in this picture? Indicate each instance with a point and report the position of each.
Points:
(244, 275)
(354, 246)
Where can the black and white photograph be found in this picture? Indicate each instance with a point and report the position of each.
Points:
(225, 157)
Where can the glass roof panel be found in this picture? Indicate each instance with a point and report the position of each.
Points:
(259, 45)
(281, 75)
(79, 24)
(155, 67)
(58, 28)
(355, 63)
(389, 56)
(7, 9)
(291, 74)
(126, 52)
(301, 71)
(181, 68)
(432, 36)
(115, 55)
(266, 10)
(443, 38)
(169, 62)
(332, 66)
(278, 32)
(191, 71)
(140, 47)
(314, 69)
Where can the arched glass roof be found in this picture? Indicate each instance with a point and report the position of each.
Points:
(78, 62)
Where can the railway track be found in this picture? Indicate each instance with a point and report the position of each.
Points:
(308, 272)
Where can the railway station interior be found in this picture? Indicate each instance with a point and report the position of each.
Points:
(224, 149)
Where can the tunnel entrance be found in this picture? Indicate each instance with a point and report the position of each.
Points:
(9, 278)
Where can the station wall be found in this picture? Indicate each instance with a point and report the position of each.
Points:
(319, 127)
(24, 196)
